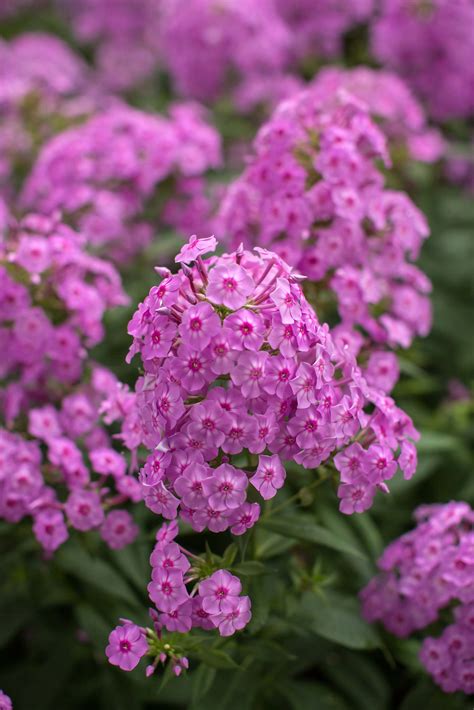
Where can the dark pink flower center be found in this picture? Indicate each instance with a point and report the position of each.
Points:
(229, 284)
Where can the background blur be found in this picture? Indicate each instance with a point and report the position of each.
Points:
(55, 616)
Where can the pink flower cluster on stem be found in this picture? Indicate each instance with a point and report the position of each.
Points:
(53, 297)
(313, 192)
(240, 377)
(125, 173)
(424, 572)
(214, 603)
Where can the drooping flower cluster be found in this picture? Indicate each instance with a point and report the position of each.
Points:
(313, 193)
(52, 300)
(425, 571)
(239, 377)
(124, 34)
(431, 44)
(119, 176)
(392, 104)
(44, 88)
(214, 43)
(215, 602)
(318, 26)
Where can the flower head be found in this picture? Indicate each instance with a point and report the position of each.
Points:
(127, 645)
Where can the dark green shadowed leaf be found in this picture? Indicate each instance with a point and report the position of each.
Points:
(304, 530)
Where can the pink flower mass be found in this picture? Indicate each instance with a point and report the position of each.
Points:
(426, 572)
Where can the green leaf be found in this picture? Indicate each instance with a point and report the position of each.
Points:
(427, 695)
(338, 619)
(96, 627)
(95, 572)
(434, 441)
(310, 695)
(216, 658)
(303, 529)
(13, 619)
(250, 568)
(362, 682)
(229, 555)
(133, 562)
(202, 680)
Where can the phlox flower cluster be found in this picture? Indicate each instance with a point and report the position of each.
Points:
(318, 26)
(217, 46)
(393, 105)
(123, 173)
(239, 377)
(53, 296)
(215, 602)
(313, 192)
(431, 44)
(426, 571)
(124, 34)
(44, 87)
